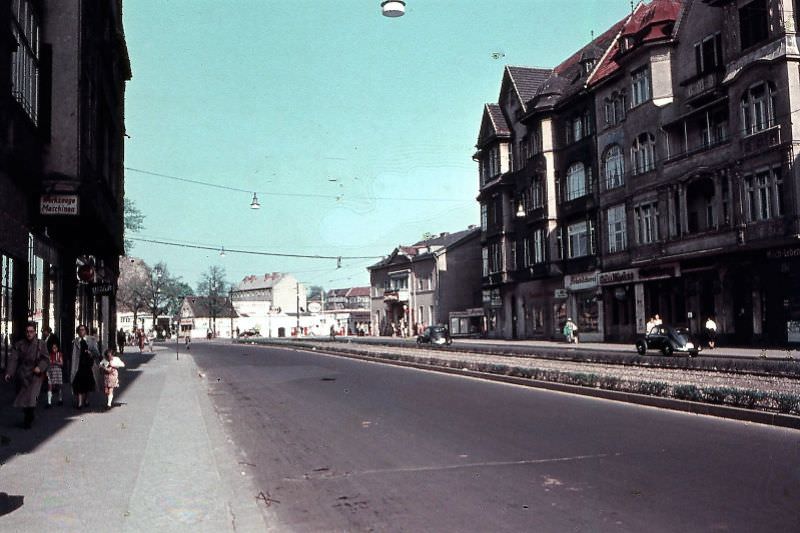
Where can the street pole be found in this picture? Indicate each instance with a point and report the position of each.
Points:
(297, 308)
(230, 302)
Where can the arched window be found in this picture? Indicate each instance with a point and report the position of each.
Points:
(576, 181)
(758, 108)
(643, 153)
(614, 167)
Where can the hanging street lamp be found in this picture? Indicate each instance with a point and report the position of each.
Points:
(393, 8)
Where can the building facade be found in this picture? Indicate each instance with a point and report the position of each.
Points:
(420, 285)
(61, 161)
(677, 196)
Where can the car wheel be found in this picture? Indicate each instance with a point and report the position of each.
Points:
(641, 347)
(667, 350)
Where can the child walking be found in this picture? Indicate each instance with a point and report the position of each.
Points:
(109, 367)
(55, 375)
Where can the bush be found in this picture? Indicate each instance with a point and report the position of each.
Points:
(786, 402)
(651, 388)
(687, 392)
(717, 395)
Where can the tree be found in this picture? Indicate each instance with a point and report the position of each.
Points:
(134, 221)
(314, 292)
(162, 290)
(212, 284)
(132, 285)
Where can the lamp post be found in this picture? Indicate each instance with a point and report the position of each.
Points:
(231, 311)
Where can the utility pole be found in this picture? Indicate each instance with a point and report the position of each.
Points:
(297, 309)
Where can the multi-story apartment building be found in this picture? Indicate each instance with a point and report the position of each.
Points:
(62, 83)
(691, 195)
(420, 285)
(275, 292)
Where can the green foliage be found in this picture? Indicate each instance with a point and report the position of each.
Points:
(133, 221)
(687, 392)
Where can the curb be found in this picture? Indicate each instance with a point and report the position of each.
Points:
(673, 404)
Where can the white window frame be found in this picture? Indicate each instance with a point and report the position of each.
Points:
(578, 238)
(646, 216)
(25, 58)
(643, 153)
(576, 179)
(538, 247)
(617, 230)
(758, 110)
(614, 166)
(640, 86)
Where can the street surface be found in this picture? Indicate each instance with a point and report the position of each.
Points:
(341, 445)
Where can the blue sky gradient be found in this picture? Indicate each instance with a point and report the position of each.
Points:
(353, 114)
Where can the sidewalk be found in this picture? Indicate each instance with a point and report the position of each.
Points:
(160, 461)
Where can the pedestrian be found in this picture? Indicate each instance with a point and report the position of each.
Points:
(657, 320)
(50, 338)
(121, 338)
(333, 332)
(140, 339)
(109, 366)
(84, 355)
(55, 376)
(570, 331)
(651, 323)
(27, 365)
(711, 332)
(188, 340)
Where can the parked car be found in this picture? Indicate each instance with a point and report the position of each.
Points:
(669, 340)
(435, 335)
(249, 333)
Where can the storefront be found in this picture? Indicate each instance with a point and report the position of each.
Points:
(619, 303)
(467, 323)
(583, 304)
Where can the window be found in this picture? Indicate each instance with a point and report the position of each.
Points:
(576, 182)
(614, 167)
(617, 235)
(753, 23)
(6, 305)
(579, 127)
(578, 240)
(615, 108)
(535, 143)
(485, 260)
(758, 108)
(646, 216)
(538, 246)
(484, 217)
(537, 193)
(495, 257)
(512, 260)
(640, 86)
(764, 195)
(526, 252)
(643, 153)
(511, 165)
(25, 58)
(714, 129)
(708, 54)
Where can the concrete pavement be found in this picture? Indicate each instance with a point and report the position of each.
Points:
(160, 461)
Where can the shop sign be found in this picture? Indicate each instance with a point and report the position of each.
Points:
(659, 272)
(618, 276)
(577, 282)
(58, 204)
(783, 253)
(187, 322)
(560, 294)
(103, 289)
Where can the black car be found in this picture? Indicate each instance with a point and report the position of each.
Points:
(249, 333)
(435, 335)
(669, 340)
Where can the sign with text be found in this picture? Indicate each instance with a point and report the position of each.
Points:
(102, 289)
(59, 204)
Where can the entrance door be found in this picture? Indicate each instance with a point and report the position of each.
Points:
(742, 308)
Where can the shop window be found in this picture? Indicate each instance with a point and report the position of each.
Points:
(753, 23)
(6, 305)
(588, 312)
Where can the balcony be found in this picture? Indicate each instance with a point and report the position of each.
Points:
(700, 88)
(706, 146)
(760, 141)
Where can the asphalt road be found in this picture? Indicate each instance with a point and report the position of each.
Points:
(343, 445)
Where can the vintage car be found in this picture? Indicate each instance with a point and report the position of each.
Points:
(435, 335)
(669, 340)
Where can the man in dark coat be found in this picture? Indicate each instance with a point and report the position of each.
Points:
(27, 365)
(50, 338)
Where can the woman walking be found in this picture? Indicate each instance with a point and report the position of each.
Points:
(84, 352)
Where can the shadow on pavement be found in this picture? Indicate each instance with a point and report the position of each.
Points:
(9, 503)
(16, 441)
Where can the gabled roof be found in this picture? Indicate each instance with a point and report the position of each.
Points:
(648, 23)
(356, 292)
(267, 281)
(525, 80)
(493, 124)
(428, 247)
(201, 306)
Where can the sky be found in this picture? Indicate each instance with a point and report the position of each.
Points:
(356, 131)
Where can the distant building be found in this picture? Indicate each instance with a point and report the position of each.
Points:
(349, 309)
(271, 293)
(420, 285)
(200, 315)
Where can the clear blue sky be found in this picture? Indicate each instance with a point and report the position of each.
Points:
(305, 101)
